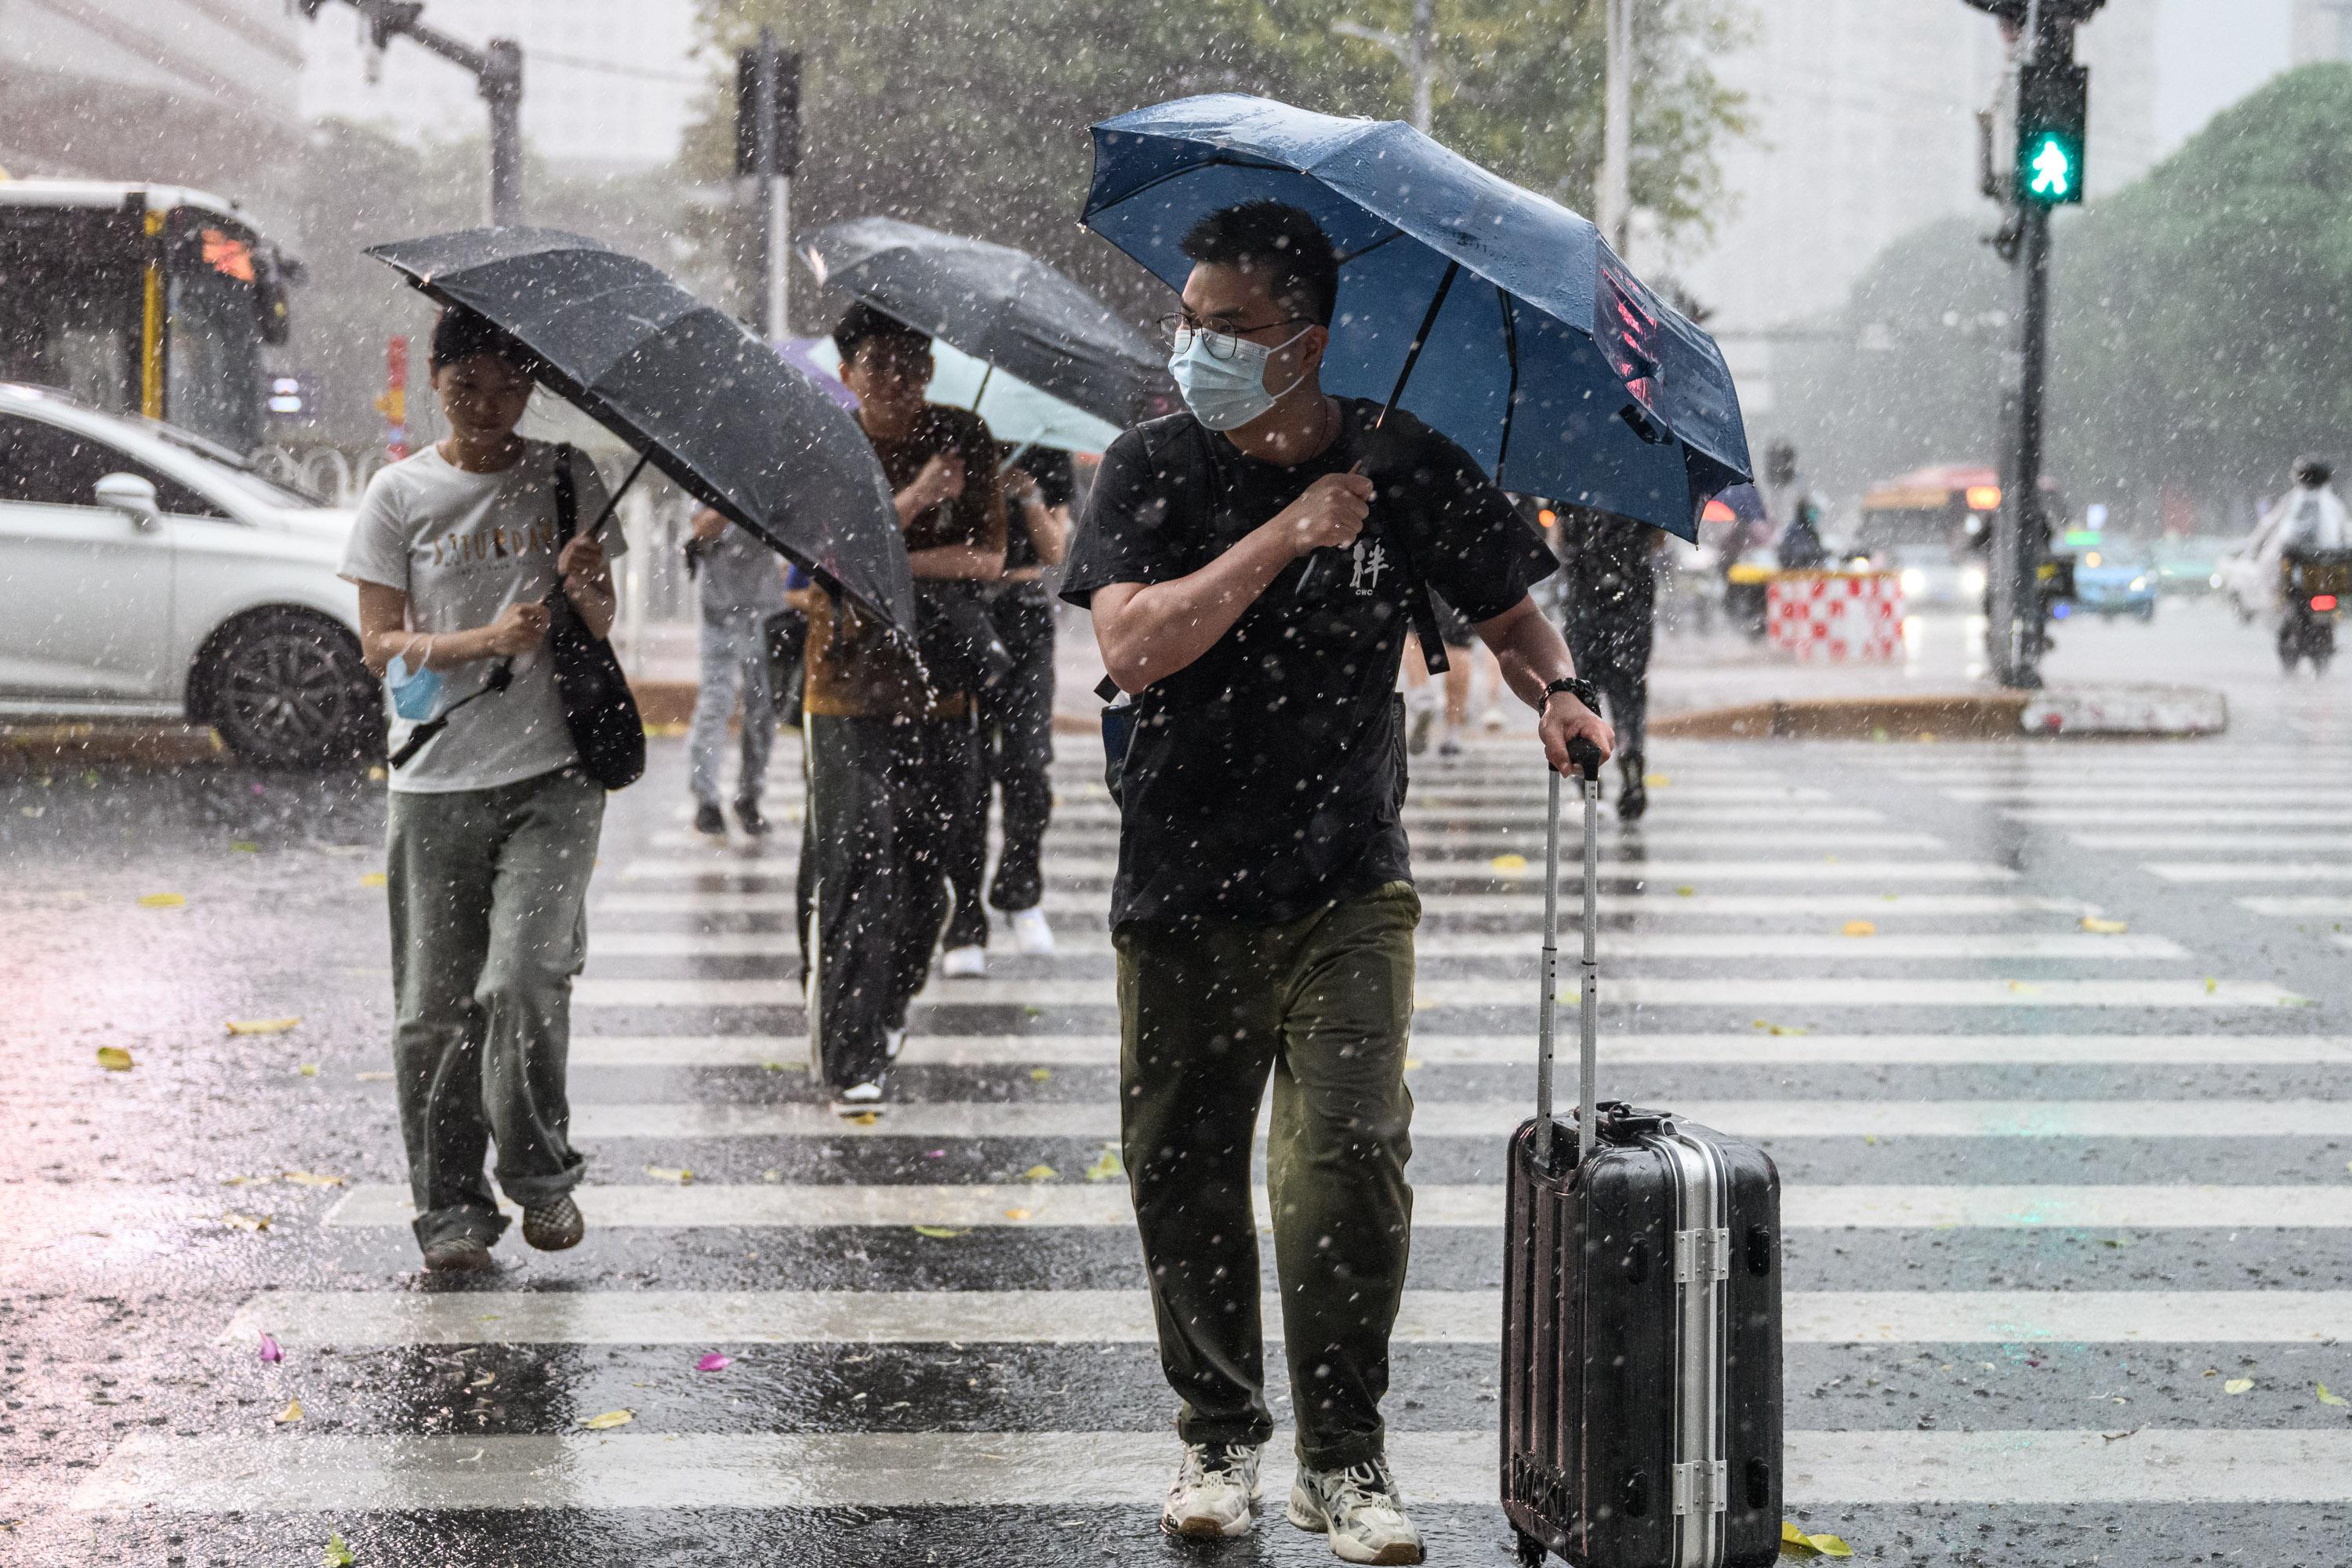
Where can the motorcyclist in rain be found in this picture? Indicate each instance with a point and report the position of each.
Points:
(2308, 519)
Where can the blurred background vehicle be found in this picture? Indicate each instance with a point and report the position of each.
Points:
(147, 571)
(2113, 577)
(1930, 526)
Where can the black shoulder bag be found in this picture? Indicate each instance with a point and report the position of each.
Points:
(602, 711)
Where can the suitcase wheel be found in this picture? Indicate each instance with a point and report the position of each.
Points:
(1530, 1551)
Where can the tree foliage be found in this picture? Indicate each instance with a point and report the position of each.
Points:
(2199, 328)
(973, 117)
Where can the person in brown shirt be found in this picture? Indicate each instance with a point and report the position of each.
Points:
(890, 724)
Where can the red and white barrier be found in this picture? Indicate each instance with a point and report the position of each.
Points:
(1836, 615)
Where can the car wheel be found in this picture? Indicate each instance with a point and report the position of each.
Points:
(287, 689)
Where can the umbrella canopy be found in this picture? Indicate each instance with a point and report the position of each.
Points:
(1538, 350)
(1017, 413)
(1001, 306)
(704, 401)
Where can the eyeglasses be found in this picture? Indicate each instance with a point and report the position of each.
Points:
(1223, 341)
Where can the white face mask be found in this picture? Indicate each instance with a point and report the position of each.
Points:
(1226, 393)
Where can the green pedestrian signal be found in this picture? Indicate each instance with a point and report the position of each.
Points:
(2053, 110)
(2049, 169)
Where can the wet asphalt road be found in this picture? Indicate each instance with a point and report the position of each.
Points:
(2054, 1193)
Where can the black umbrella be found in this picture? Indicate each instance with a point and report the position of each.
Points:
(997, 304)
(704, 401)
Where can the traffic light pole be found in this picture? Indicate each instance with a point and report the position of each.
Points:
(497, 76)
(2025, 532)
(775, 200)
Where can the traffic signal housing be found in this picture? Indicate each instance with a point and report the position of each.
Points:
(2054, 112)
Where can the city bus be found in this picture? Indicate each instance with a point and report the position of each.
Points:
(141, 300)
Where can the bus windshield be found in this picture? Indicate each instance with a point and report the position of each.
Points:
(216, 358)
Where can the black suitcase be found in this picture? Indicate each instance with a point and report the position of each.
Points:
(1640, 1314)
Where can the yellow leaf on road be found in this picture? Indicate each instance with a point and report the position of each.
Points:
(256, 1223)
(2327, 1398)
(292, 1413)
(665, 1173)
(1795, 1542)
(2098, 927)
(1017, 1214)
(1039, 1173)
(313, 1179)
(163, 902)
(261, 1026)
(2211, 986)
(374, 1076)
(937, 1232)
(1685, 891)
(1861, 928)
(114, 1058)
(1039, 1075)
(608, 1421)
(1511, 865)
(864, 1118)
(1106, 1168)
(309, 1070)
(371, 878)
(337, 1552)
(2025, 987)
(1657, 781)
(2238, 1385)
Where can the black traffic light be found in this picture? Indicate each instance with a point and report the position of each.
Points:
(2052, 10)
(2054, 111)
(746, 111)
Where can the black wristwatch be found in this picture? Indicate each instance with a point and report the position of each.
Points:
(1584, 692)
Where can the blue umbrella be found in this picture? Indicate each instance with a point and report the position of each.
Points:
(1499, 317)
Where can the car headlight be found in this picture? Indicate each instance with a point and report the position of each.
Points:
(2137, 584)
(2214, 581)
(1914, 580)
(1972, 580)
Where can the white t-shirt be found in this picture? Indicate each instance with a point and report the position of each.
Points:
(463, 547)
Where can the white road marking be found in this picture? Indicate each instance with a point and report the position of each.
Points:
(302, 1319)
(1661, 900)
(1758, 993)
(370, 1206)
(151, 1472)
(1067, 869)
(1447, 840)
(2135, 793)
(2313, 908)
(2223, 817)
(1905, 947)
(2238, 870)
(2276, 842)
(791, 1052)
(1763, 1120)
(1532, 812)
(1428, 793)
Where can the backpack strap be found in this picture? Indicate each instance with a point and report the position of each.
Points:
(1417, 607)
(567, 495)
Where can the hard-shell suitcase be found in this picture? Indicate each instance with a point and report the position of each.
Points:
(1640, 1314)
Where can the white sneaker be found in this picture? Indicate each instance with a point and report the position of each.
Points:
(894, 1041)
(1031, 935)
(1493, 719)
(858, 1098)
(964, 963)
(1214, 1490)
(1420, 718)
(1359, 1510)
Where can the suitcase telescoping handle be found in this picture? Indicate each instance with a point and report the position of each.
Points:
(1586, 757)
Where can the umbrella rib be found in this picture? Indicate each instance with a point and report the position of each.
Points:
(1357, 255)
(1511, 395)
(1412, 353)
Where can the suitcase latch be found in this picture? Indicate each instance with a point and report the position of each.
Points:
(1703, 1486)
(1702, 1254)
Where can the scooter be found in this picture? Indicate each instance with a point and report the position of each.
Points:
(2312, 585)
(1747, 592)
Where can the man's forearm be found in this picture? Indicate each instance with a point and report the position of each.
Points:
(965, 562)
(1528, 649)
(1161, 628)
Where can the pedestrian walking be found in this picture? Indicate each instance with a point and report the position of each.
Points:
(1016, 711)
(1263, 909)
(892, 741)
(493, 824)
(1609, 611)
(1423, 710)
(739, 589)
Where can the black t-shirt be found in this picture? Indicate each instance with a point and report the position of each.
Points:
(1267, 779)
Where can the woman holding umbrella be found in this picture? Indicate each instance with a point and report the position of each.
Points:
(493, 824)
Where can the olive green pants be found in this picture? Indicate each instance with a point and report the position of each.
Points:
(1206, 1013)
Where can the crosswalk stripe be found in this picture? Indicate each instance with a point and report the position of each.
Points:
(1071, 868)
(151, 1472)
(2122, 815)
(1663, 901)
(1624, 1052)
(2072, 946)
(1532, 813)
(2238, 870)
(2217, 843)
(1427, 792)
(301, 1319)
(1441, 839)
(2311, 909)
(1757, 1120)
(2131, 793)
(371, 1205)
(1634, 991)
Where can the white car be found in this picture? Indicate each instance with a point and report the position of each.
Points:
(145, 573)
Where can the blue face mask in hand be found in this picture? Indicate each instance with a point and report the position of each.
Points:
(414, 692)
(1225, 391)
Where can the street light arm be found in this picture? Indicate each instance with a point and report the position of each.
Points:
(1399, 46)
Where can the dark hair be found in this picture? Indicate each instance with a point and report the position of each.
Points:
(1285, 242)
(2313, 472)
(862, 321)
(461, 333)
